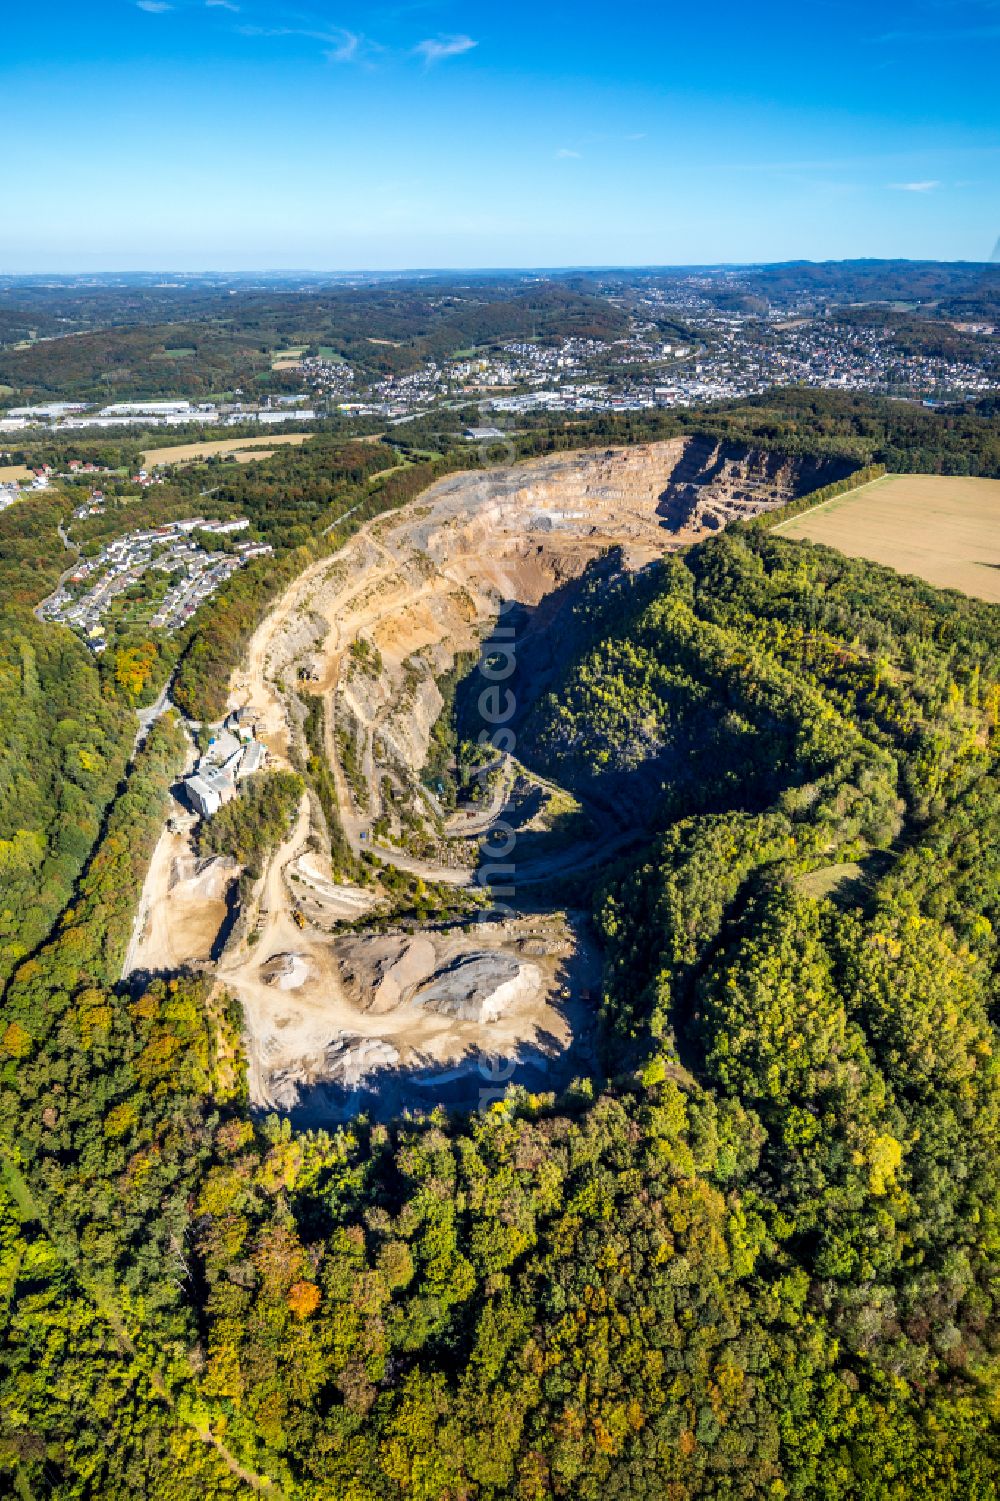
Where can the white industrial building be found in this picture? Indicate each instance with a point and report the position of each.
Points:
(148, 409)
(205, 799)
(253, 760)
(233, 754)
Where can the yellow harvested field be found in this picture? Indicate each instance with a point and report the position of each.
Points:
(241, 448)
(11, 472)
(288, 359)
(944, 530)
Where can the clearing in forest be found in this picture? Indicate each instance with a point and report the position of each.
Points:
(189, 453)
(945, 530)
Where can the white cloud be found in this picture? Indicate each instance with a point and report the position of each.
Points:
(436, 49)
(222, 5)
(153, 7)
(346, 51)
(915, 187)
(339, 45)
(564, 154)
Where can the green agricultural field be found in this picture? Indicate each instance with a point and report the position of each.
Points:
(943, 529)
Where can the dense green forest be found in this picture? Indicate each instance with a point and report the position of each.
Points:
(904, 437)
(255, 822)
(64, 737)
(757, 1255)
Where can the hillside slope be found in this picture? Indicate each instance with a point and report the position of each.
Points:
(759, 1258)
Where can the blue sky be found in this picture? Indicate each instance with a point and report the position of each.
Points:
(250, 134)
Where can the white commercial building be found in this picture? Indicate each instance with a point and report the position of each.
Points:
(204, 797)
(147, 408)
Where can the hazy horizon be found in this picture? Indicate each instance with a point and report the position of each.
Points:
(317, 273)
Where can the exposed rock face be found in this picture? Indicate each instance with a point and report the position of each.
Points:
(350, 1060)
(375, 631)
(348, 1063)
(519, 534)
(713, 483)
(480, 987)
(424, 993)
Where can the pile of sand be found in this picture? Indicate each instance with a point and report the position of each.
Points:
(480, 987)
(383, 975)
(380, 974)
(287, 971)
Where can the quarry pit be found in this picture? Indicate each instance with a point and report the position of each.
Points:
(342, 1014)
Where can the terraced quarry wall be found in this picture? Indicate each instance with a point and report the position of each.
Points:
(713, 483)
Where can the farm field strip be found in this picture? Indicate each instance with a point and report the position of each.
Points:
(188, 453)
(945, 529)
